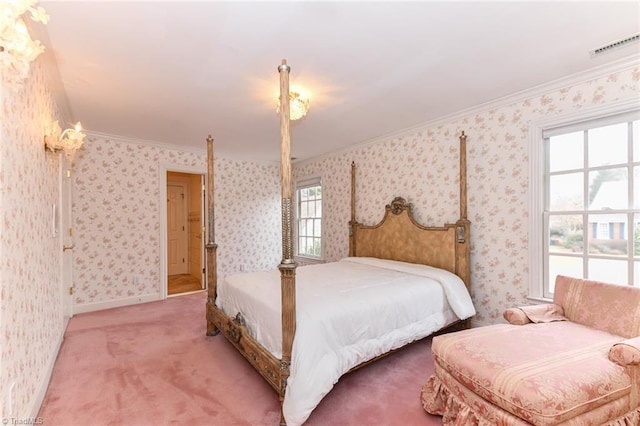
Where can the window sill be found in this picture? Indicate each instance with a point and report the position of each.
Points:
(539, 300)
(303, 260)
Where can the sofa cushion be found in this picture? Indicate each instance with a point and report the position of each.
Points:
(626, 352)
(592, 303)
(543, 373)
(547, 312)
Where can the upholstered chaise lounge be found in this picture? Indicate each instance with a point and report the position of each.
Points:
(573, 362)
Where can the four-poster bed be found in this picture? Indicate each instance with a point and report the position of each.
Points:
(401, 282)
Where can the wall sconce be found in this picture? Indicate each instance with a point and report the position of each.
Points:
(298, 106)
(68, 141)
(17, 49)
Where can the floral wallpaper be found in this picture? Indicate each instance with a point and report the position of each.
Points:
(31, 323)
(248, 219)
(116, 209)
(423, 168)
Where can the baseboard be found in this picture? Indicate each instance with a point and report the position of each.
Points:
(186, 293)
(78, 309)
(39, 398)
(99, 306)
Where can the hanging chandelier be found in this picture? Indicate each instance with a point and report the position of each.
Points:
(298, 106)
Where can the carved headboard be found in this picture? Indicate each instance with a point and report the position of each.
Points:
(399, 237)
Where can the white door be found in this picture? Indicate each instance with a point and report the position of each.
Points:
(177, 232)
(66, 237)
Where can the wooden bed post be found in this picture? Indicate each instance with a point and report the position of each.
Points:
(211, 246)
(287, 265)
(463, 176)
(463, 233)
(352, 222)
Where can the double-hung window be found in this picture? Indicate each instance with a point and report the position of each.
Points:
(591, 201)
(309, 217)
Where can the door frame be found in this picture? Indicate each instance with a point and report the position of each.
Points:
(163, 169)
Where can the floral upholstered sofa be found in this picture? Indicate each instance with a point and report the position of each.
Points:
(573, 362)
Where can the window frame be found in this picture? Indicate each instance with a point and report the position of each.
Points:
(300, 184)
(596, 116)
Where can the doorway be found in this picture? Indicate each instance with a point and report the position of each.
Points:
(185, 244)
(63, 222)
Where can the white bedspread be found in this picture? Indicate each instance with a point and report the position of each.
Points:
(347, 312)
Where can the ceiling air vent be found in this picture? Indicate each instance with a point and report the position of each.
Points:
(615, 45)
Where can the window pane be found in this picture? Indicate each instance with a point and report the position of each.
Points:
(563, 265)
(636, 187)
(608, 189)
(636, 274)
(566, 193)
(317, 228)
(636, 235)
(566, 152)
(312, 193)
(309, 218)
(608, 145)
(636, 140)
(607, 234)
(609, 271)
(565, 234)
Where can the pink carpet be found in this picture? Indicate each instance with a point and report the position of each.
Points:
(151, 364)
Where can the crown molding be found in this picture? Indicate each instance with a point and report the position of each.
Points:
(554, 85)
(174, 147)
(146, 142)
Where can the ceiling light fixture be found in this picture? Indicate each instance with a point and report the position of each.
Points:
(17, 49)
(298, 104)
(68, 141)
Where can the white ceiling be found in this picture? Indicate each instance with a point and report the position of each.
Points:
(173, 72)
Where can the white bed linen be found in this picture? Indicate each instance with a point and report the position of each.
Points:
(347, 312)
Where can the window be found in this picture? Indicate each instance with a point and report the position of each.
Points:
(309, 217)
(602, 231)
(590, 202)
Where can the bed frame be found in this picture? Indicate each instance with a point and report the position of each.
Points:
(397, 237)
